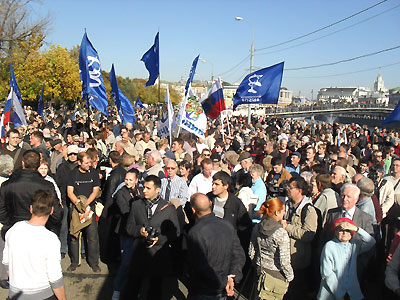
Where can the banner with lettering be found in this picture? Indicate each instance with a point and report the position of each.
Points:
(93, 89)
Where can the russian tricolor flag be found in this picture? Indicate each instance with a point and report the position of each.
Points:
(13, 112)
(213, 102)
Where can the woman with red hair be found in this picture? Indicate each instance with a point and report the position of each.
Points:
(339, 261)
(270, 249)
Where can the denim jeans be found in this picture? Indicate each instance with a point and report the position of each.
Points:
(91, 234)
(64, 229)
(126, 243)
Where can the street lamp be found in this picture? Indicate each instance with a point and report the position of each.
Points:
(212, 67)
(251, 57)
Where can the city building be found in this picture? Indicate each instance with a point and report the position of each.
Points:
(362, 95)
(394, 96)
(379, 85)
(336, 94)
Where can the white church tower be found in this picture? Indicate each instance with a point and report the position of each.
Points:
(379, 85)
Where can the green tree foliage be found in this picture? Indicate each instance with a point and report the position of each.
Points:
(133, 88)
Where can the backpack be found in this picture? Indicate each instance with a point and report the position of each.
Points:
(303, 215)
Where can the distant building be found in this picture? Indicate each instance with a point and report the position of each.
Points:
(285, 96)
(299, 100)
(394, 96)
(379, 85)
(335, 94)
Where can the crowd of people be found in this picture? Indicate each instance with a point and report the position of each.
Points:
(277, 209)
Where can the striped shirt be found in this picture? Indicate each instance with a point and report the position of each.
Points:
(179, 189)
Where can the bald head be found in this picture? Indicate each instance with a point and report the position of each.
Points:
(201, 205)
(356, 178)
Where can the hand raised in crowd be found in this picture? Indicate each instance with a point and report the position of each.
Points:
(348, 226)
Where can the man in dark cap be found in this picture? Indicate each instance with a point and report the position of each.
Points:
(245, 161)
(217, 163)
(294, 167)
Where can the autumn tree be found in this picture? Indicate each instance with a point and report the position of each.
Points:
(63, 79)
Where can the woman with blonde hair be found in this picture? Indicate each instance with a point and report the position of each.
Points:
(270, 250)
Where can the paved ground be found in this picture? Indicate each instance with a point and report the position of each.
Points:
(84, 284)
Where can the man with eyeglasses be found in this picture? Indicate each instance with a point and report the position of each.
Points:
(174, 187)
(301, 223)
(31, 129)
(12, 148)
(62, 174)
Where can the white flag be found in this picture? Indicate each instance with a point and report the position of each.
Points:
(167, 115)
(191, 115)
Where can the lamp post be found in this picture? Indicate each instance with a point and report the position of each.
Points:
(251, 58)
(212, 67)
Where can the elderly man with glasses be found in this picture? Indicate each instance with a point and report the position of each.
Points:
(174, 186)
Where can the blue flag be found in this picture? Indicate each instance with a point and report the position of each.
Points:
(394, 116)
(13, 83)
(124, 106)
(93, 89)
(40, 104)
(260, 87)
(191, 74)
(139, 103)
(151, 60)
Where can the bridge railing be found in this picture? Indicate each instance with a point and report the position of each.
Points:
(326, 107)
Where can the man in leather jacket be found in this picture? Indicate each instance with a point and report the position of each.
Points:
(16, 194)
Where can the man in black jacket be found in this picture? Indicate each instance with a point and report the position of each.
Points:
(16, 194)
(153, 223)
(227, 206)
(215, 256)
(115, 178)
(108, 239)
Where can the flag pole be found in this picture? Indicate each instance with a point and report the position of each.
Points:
(1, 126)
(223, 129)
(159, 72)
(180, 117)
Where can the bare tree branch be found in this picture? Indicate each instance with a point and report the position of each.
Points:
(17, 25)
